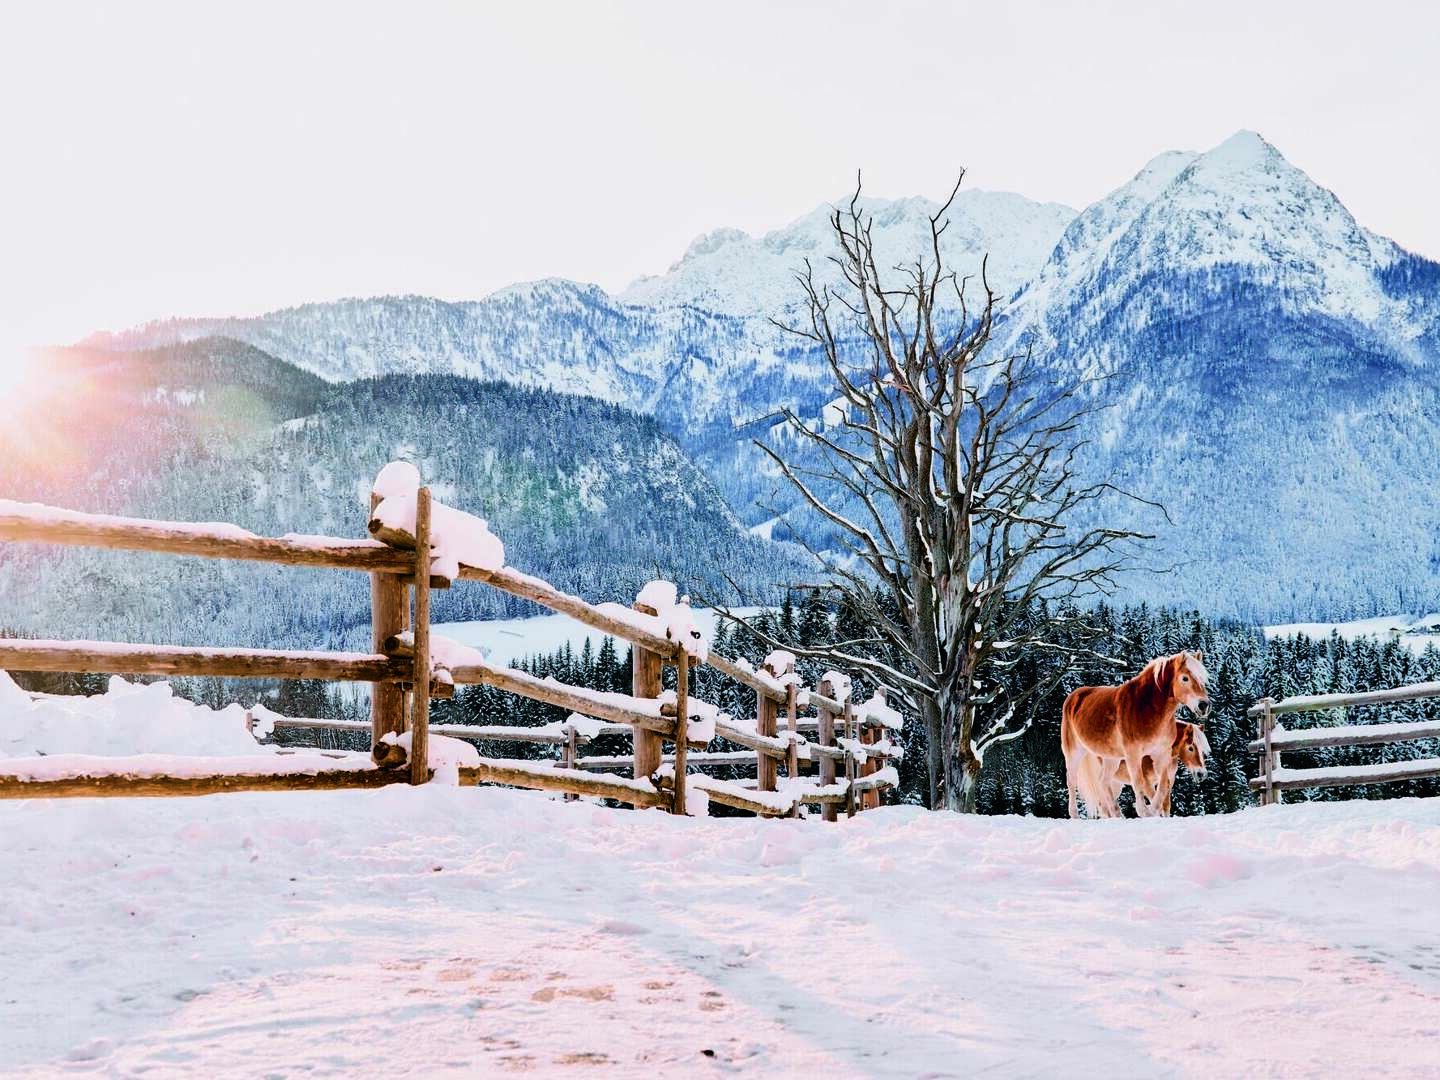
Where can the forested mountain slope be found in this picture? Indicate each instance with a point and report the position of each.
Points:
(594, 497)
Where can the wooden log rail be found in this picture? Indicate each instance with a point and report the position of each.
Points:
(401, 693)
(830, 793)
(723, 759)
(1272, 740)
(549, 735)
(108, 777)
(105, 657)
(21, 523)
(1316, 702)
(163, 784)
(617, 708)
(544, 776)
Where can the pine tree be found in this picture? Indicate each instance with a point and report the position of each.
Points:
(787, 626)
(814, 624)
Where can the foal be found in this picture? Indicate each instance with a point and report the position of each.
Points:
(1102, 794)
(1123, 725)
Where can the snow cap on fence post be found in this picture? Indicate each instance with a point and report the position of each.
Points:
(456, 538)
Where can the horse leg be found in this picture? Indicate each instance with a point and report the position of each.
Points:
(1151, 779)
(1112, 799)
(1098, 793)
(1135, 768)
(1071, 780)
(1164, 786)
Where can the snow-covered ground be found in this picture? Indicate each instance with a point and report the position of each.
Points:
(1410, 631)
(444, 930)
(454, 931)
(503, 641)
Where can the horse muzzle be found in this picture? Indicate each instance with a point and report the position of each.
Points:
(1202, 708)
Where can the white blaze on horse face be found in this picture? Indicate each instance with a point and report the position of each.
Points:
(1202, 751)
(1189, 684)
(1193, 748)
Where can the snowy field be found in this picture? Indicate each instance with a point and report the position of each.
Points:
(465, 932)
(1416, 634)
(503, 641)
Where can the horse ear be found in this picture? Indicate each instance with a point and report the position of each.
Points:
(1200, 655)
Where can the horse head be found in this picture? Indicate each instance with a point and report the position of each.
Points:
(1191, 748)
(1183, 678)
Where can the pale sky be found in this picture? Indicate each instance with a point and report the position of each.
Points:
(179, 159)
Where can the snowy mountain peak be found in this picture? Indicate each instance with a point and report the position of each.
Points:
(730, 272)
(547, 290)
(1245, 150)
(711, 242)
(1240, 206)
(1158, 174)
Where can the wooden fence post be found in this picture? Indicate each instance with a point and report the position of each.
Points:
(851, 732)
(792, 724)
(1267, 759)
(765, 765)
(569, 756)
(645, 682)
(387, 619)
(420, 695)
(682, 727)
(868, 737)
(826, 737)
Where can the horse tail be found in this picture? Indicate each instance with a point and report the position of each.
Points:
(1067, 716)
(1089, 783)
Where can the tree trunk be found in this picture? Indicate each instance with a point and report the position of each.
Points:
(960, 768)
(934, 752)
(962, 787)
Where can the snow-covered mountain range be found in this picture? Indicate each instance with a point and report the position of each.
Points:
(1275, 361)
(697, 340)
(733, 273)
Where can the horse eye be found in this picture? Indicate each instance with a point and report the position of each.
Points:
(1185, 678)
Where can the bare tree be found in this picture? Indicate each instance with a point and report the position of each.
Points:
(951, 475)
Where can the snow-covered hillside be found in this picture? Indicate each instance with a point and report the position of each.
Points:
(591, 497)
(453, 931)
(1416, 634)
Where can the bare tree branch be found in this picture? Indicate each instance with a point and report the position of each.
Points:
(952, 475)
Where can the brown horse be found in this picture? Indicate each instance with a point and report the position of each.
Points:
(1102, 795)
(1122, 725)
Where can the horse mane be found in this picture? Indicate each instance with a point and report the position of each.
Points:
(1155, 669)
(1200, 665)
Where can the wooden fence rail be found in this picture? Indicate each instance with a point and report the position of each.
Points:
(409, 668)
(1272, 740)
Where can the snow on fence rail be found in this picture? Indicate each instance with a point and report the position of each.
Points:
(1274, 739)
(849, 750)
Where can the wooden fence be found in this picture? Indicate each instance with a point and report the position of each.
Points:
(844, 744)
(1274, 740)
